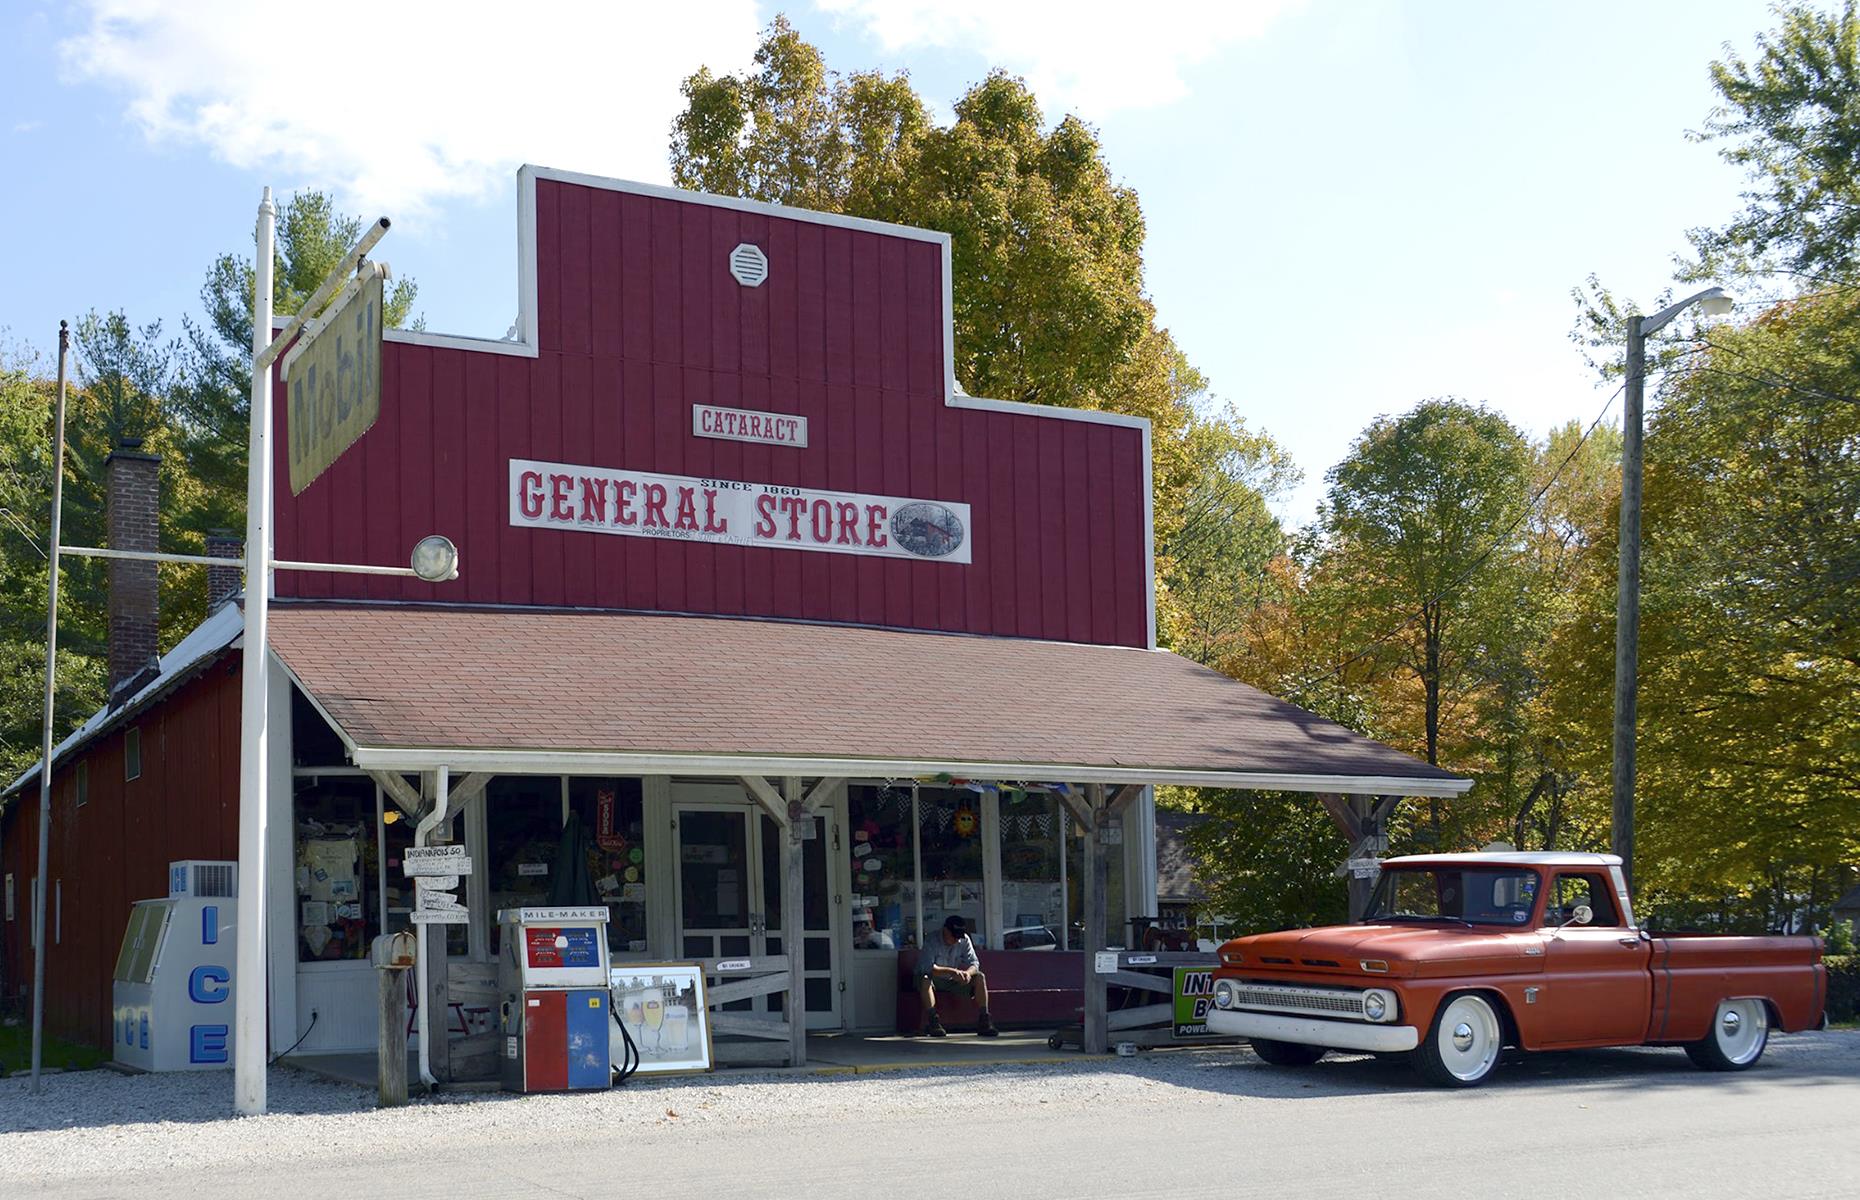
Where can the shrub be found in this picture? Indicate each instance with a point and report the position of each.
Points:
(1843, 986)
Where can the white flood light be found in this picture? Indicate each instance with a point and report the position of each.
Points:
(436, 559)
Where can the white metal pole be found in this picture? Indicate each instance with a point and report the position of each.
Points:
(249, 1041)
(45, 733)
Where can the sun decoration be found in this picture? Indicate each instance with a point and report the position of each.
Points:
(965, 822)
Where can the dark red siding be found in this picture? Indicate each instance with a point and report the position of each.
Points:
(637, 320)
(116, 848)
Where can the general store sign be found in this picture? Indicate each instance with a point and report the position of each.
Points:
(546, 495)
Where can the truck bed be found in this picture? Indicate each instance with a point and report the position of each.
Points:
(1692, 972)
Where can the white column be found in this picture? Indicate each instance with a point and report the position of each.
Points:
(249, 1043)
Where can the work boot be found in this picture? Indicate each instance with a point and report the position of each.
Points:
(934, 1027)
(986, 1027)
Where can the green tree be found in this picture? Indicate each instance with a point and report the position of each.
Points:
(209, 404)
(1790, 118)
(1424, 521)
(1049, 301)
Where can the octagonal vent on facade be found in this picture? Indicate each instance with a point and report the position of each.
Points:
(749, 265)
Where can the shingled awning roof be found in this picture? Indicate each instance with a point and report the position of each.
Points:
(514, 690)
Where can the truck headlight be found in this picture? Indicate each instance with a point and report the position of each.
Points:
(1223, 994)
(1378, 1006)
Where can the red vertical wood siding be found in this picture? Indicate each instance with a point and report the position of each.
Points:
(638, 319)
(115, 849)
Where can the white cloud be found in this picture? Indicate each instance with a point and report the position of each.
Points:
(398, 106)
(1092, 57)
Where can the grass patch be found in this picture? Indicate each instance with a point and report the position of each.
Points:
(16, 1051)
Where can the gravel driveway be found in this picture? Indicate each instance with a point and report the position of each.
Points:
(1030, 1130)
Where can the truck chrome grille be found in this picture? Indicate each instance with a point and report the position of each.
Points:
(1322, 1002)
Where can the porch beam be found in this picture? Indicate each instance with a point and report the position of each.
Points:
(1077, 806)
(400, 792)
(765, 795)
(615, 762)
(824, 792)
(462, 792)
(1125, 797)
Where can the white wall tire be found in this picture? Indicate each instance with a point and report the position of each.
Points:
(1462, 1047)
(1740, 1031)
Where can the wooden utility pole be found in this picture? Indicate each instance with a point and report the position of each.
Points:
(1627, 601)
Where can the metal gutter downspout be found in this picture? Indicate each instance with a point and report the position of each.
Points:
(442, 788)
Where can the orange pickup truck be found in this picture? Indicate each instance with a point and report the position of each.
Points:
(1460, 955)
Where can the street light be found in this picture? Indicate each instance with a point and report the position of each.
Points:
(1713, 303)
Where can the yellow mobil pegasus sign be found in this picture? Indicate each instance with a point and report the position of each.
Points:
(334, 382)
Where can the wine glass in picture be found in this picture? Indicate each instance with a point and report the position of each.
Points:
(655, 1016)
(677, 1032)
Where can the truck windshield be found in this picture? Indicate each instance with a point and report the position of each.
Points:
(1475, 895)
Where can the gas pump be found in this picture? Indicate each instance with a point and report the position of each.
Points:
(554, 1005)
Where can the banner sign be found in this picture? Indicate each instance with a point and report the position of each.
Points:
(334, 382)
(546, 495)
(1194, 996)
(748, 425)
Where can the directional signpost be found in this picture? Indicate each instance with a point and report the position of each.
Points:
(435, 871)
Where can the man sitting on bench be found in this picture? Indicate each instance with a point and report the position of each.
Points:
(951, 965)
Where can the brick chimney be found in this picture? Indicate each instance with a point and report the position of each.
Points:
(133, 495)
(224, 581)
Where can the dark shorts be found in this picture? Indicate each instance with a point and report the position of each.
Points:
(944, 983)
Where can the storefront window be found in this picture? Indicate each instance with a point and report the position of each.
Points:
(949, 832)
(1115, 930)
(523, 830)
(1033, 901)
(338, 902)
(882, 867)
(613, 831)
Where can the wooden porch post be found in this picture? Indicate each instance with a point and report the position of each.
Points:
(1097, 884)
(438, 998)
(793, 920)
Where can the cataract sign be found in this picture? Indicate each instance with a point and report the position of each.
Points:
(546, 495)
(334, 384)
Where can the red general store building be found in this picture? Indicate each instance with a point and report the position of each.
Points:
(749, 589)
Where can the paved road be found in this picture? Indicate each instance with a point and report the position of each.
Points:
(1625, 1122)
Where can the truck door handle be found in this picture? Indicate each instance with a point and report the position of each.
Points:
(1629, 942)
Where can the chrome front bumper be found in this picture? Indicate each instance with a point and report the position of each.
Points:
(1311, 1031)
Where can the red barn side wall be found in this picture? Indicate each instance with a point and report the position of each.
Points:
(116, 848)
(636, 319)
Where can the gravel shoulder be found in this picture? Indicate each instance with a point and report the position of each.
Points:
(93, 1133)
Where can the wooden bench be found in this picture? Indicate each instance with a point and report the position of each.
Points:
(1026, 988)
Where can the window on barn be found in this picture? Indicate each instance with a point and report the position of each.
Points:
(132, 754)
(80, 777)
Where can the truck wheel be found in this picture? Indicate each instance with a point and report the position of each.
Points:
(1740, 1030)
(1285, 1054)
(1462, 1047)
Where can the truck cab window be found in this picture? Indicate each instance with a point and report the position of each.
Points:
(1578, 889)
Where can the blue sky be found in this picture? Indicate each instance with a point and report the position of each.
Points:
(1351, 207)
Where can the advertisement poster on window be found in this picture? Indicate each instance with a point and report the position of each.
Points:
(662, 1008)
(1194, 996)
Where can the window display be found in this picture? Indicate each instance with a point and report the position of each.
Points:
(523, 830)
(613, 827)
(1033, 900)
(950, 853)
(338, 904)
(882, 867)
